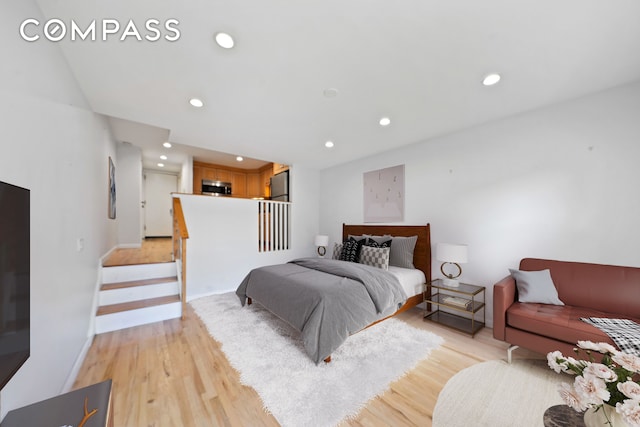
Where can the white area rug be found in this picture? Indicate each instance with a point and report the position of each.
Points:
(270, 358)
(497, 394)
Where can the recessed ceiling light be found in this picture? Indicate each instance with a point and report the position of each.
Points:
(167, 145)
(161, 165)
(385, 121)
(328, 144)
(163, 157)
(491, 79)
(195, 102)
(239, 158)
(224, 40)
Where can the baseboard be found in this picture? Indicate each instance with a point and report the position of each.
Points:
(120, 246)
(129, 246)
(71, 379)
(207, 294)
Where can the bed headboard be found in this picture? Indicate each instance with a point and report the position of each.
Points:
(422, 252)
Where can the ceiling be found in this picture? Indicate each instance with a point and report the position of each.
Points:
(418, 62)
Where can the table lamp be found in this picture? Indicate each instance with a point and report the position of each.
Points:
(321, 243)
(452, 254)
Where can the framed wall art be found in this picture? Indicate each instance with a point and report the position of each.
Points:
(384, 195)
(112, 189)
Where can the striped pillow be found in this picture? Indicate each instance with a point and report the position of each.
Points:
(402, 251)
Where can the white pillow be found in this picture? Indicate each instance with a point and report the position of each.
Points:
(536, 286)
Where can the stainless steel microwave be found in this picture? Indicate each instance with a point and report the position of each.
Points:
(216, 188)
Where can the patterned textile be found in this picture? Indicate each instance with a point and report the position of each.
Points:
(337, 248)
(350, 251)
(375, 257)
(378, 244)
(625, 333)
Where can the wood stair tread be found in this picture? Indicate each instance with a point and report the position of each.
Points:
(134, 305)
(134, 283)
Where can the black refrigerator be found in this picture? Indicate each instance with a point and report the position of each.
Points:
(280, 187)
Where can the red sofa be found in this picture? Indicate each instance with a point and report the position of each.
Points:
(587, 290)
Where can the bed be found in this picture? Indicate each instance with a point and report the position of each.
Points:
(327, 300)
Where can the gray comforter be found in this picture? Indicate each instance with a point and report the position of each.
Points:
(326, 300)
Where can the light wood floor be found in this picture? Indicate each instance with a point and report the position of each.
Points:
(155, 249)
(173, 373)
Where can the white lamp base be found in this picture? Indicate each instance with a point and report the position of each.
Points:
(452, 283)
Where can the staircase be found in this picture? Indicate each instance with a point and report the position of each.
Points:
(132, 295)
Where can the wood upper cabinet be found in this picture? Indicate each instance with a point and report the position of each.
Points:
(239, 184)
(197, 180)
(244, 183)
(253, 185)
(279, 167)
(265, 181)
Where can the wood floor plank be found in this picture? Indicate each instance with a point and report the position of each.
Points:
(172, 373)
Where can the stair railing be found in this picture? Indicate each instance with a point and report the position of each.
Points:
(274, 226)
(180, 236)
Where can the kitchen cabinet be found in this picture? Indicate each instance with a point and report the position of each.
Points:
(197, 180)
(244, 183)
(253, 185)
(239, 184)
(216, 174)
(279, 167)
(265, 181)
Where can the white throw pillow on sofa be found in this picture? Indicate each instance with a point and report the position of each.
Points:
(536, 286)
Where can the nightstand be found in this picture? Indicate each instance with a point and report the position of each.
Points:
(458, 307)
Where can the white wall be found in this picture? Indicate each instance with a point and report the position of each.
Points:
(557, 183)
(54, 145)
(129, 194)
(222, 247)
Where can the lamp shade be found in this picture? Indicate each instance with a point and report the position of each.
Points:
(448, 252)
(322, 240)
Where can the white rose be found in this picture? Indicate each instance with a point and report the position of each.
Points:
(628, 361)
(600, 371)
(552, 360)
(630, 389)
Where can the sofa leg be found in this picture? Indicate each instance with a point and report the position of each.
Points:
(509, 351)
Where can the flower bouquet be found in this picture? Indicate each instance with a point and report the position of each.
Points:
(613, 382)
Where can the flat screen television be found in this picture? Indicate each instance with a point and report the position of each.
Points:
(15, 286)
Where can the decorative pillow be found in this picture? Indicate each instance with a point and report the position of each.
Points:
(536, 286)
(375, 257)
(351, 250)
(378, 243)
(402, 251)
(337, 248)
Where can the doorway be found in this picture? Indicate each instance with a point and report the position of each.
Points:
(158, 206)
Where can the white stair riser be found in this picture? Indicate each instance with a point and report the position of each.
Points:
(141, 316)
(136, 293)
(126, 273)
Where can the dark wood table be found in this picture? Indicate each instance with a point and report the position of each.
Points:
(89, 406)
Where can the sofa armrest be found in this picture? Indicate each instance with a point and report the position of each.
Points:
(504, 294)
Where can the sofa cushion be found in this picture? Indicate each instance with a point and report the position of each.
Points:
(608, 288)
(536, 286)
(558, 322)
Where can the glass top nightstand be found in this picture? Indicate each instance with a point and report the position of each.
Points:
(461, 307)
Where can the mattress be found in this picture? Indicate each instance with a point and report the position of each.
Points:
(411, 279)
